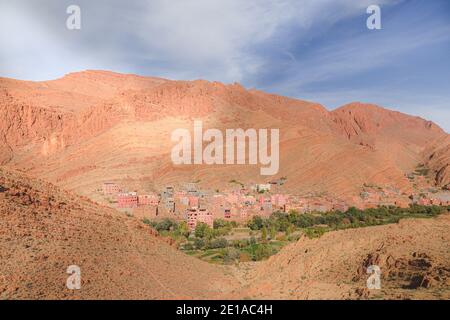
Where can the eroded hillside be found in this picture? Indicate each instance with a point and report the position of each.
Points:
(94, 126)
(43, 230)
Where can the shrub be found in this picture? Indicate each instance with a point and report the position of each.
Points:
(220, 223)
(256, 223)
(264, 234)
(218, 243)
(149, 222)
(199, 243)
(273, 232)
(315, 232)
(166, 225)
(188, 246)
(290, 230)
(201, 230)
(262, 251)
(240, 243)
(304, 221)
(182, 229)
(230, 255)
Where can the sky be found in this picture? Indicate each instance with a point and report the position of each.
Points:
(318, 50)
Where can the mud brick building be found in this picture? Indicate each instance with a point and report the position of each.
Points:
(127, 200)
(148, 200)
(109, 188)
(196, 215)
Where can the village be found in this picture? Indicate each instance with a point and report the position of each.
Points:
(241, 203)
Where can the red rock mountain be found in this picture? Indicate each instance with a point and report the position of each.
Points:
(437, 159)
(92, 126)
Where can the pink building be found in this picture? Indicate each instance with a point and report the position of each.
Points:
(267, 207)
(127, 200)
(184, 200)
(148, 200)
(261, 200)
(218, 200)
(248, 200)
(206, 217)
(191, 218)
(244, 213)
(279, 200)
(193, 201)
(179, 194)
(110, 188)
(265, 201)
(195, 216)
(232, 198)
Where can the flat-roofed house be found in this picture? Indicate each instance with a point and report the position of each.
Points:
(127, 200)
(169, 203)
(263, 187)
(193, 201)
(148, 200)
(227, 213)
(279, 201)
(184, 200)
(267, 207)
(110, 188)
(196, 215)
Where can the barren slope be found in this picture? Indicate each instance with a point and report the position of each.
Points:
(437, 159)
(43, 230)
(413, 255)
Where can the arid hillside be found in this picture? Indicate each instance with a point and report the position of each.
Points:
(93, 126)
(413, 256)
(43, 230)
(437, 160)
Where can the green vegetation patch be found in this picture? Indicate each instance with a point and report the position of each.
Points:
(266, 236)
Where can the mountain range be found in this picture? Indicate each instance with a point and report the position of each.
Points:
(94, 126)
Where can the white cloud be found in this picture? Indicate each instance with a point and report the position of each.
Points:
(30, 51)
(191, 39)
(222, 34)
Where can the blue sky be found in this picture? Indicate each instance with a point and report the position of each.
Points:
(319, 50)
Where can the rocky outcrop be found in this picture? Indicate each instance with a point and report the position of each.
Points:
(369, 125)
(436, 158)
(411, 255)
